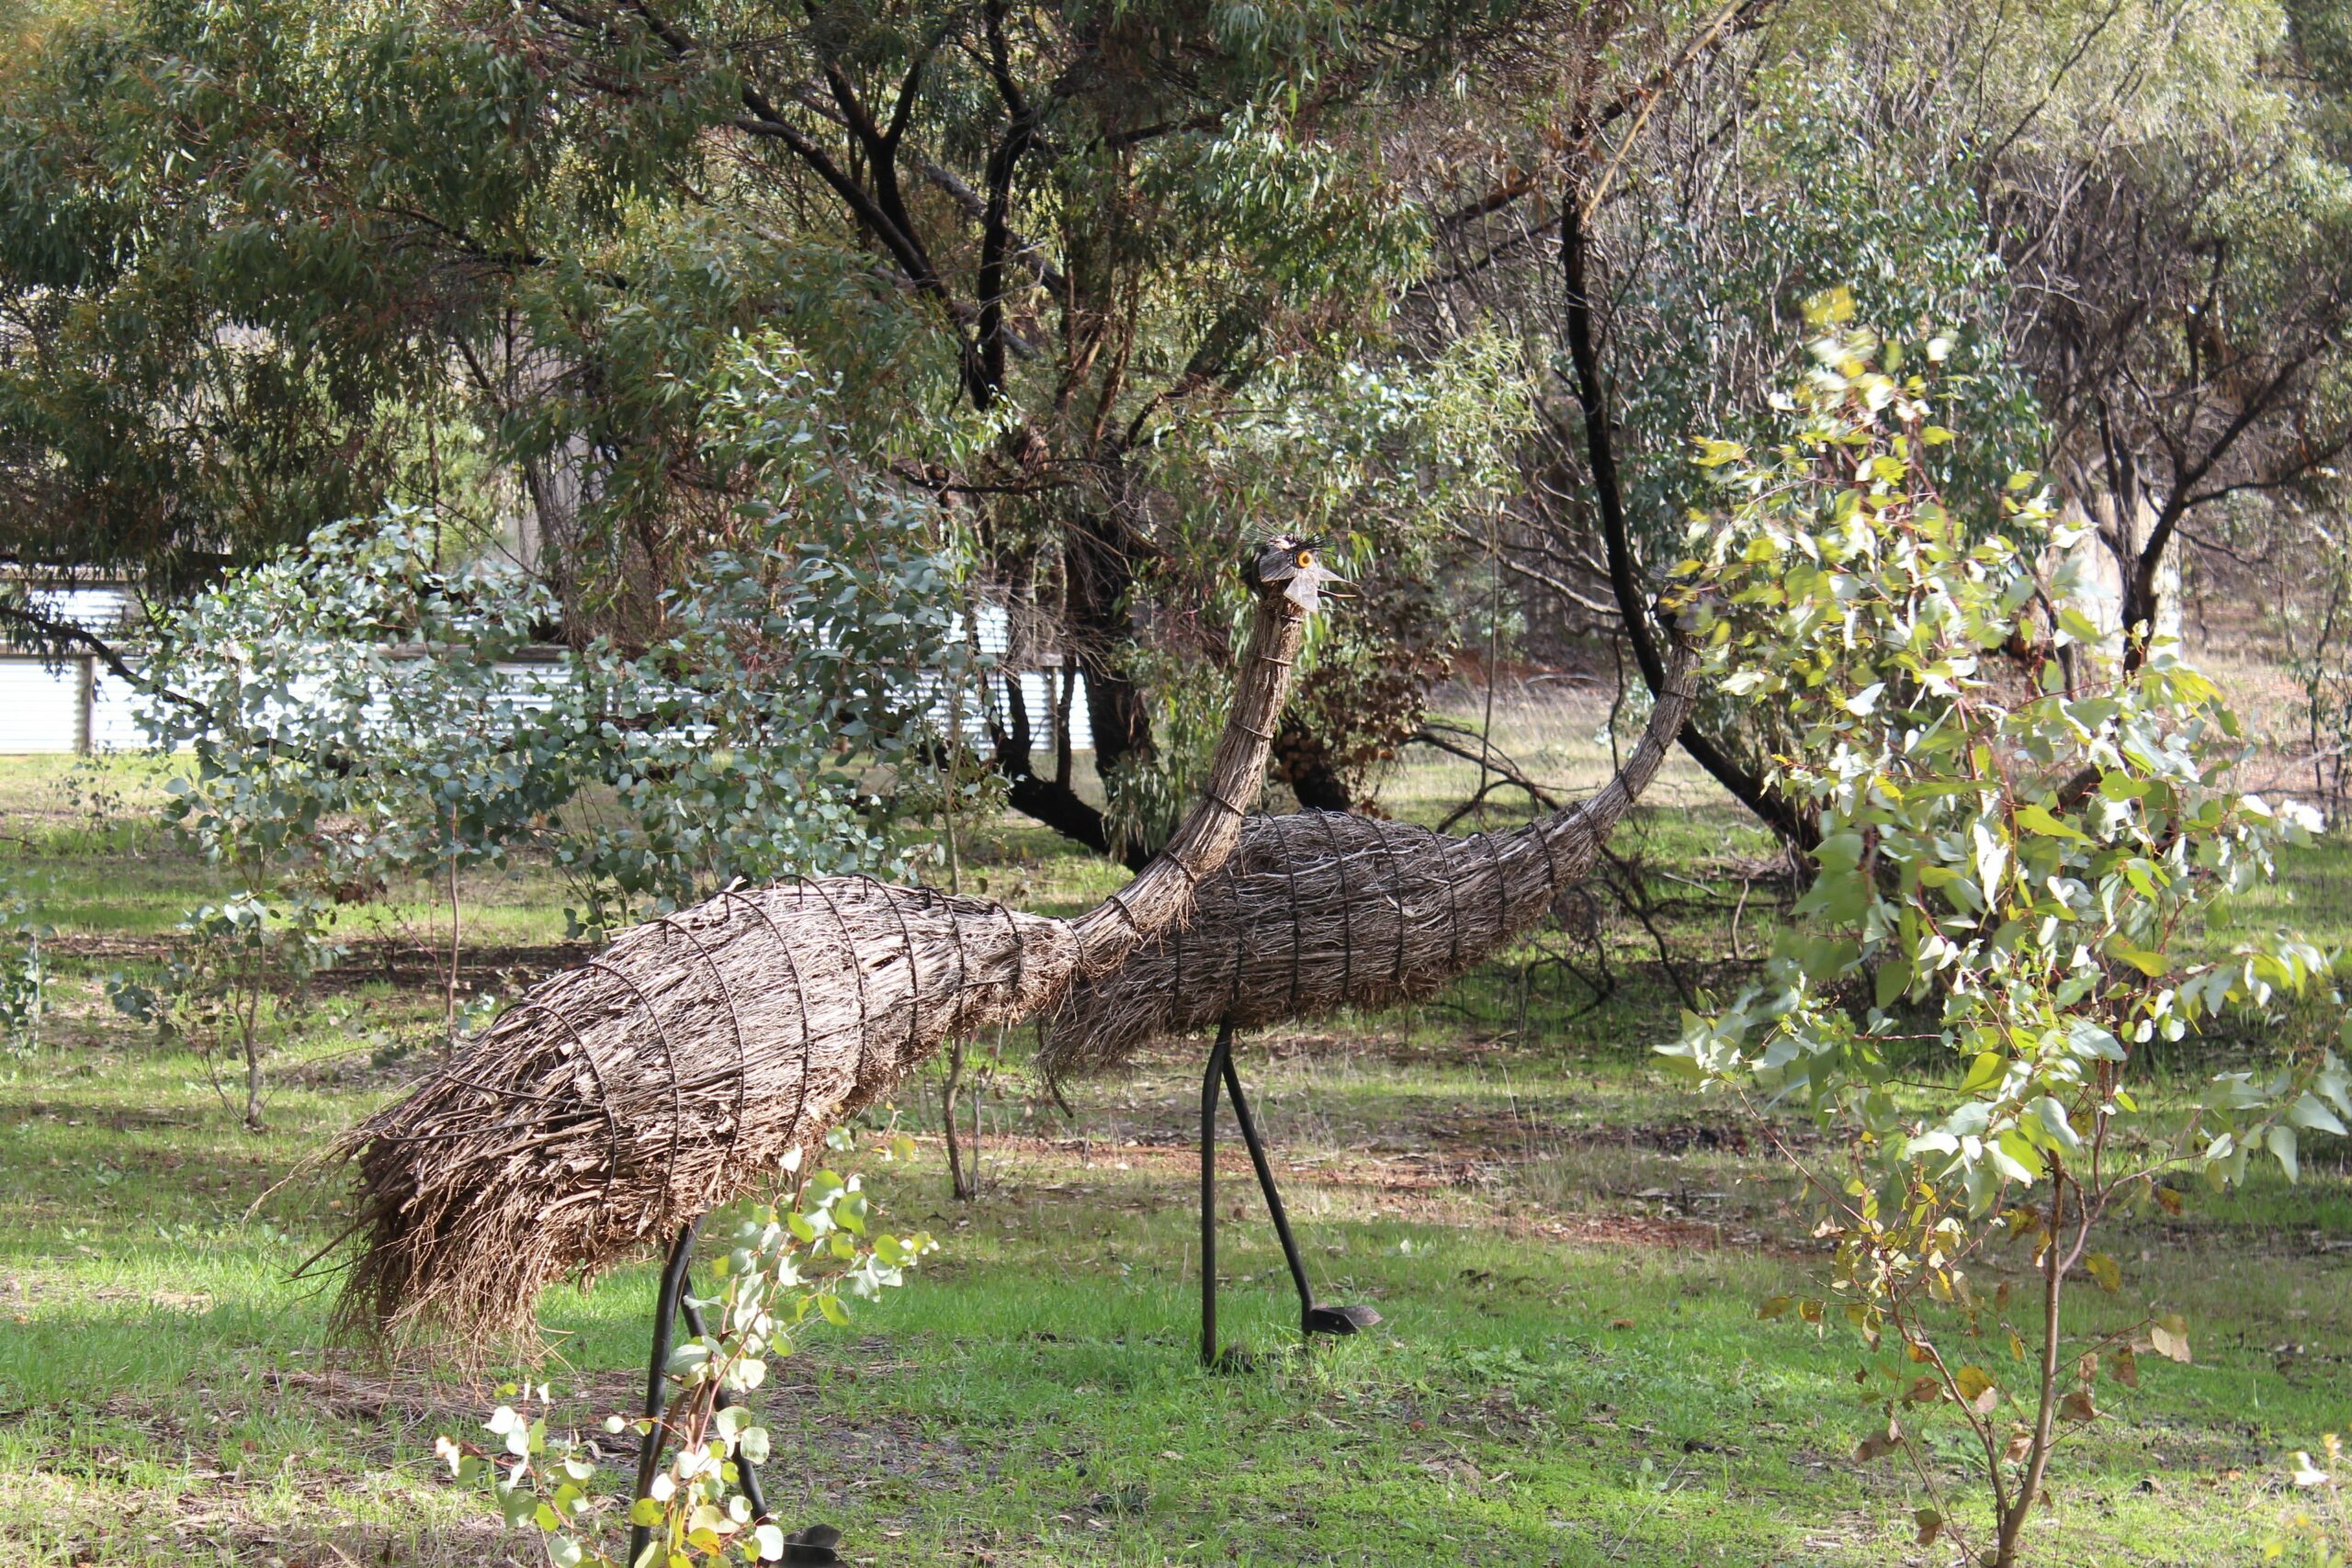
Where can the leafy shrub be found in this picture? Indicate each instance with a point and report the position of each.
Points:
(358, 710)
(237, 978)
(351, 714)
(24, 974)
(355, 712)
(785, 1266)
(2016, 865)
(802, 671)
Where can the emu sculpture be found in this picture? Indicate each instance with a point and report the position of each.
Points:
(619, 1101)
(1320, 910)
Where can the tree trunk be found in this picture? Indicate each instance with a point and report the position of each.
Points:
(960, 1187)
(249, 1029)
(2130, 576)
(1792, 826)
(1100, 577)
(2053, 1279)
(1050, 801)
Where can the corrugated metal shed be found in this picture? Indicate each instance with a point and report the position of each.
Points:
(76, 704)
(73, 707)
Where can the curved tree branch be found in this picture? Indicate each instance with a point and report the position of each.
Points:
(1609, 495)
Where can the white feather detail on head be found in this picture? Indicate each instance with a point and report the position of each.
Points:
(1296, 568)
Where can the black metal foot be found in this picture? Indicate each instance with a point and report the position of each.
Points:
(1324, 1319)
(1315, 1318)
(814, 1545)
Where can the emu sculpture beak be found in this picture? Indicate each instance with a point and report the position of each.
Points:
(1298, 569)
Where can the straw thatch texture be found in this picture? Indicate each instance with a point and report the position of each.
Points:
(1320, 911)
(620, 1099)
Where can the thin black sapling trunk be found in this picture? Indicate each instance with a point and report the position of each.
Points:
(249, 1027)
(450, 992)
(962, 1185)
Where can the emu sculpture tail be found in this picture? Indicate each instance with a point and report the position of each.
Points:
(1320, 911)
(685, 1064)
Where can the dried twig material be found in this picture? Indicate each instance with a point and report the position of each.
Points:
(666, 1075)
(1320, 911)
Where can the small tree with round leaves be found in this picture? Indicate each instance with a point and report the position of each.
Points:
(2022, 844)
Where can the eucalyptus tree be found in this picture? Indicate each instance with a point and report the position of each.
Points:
(269, 264)
(2181, 264)
(2127, 222)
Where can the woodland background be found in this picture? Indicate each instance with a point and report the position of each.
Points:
(734, 358)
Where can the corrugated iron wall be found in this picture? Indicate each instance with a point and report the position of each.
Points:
(74, 706)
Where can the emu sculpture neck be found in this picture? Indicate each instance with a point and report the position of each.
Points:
(1162, 891)
(1318, 910)
(1591, 819)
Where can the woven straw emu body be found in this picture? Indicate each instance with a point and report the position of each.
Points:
(679, 1068)
(1320, 911)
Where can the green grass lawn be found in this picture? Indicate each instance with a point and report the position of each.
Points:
(1567, 1249)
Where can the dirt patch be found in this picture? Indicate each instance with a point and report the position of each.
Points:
(230, 1500)
(362, 1067)
(367, 960)
(1438, 1189)
(124, 1120)
(405, 965)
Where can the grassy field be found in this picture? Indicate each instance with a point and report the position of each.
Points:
(1567, 1250)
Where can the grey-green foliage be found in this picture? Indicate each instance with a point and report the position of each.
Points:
(348, 719)
(2164, 182)
(237, 978)
(795, 713)
(1390, 466)
(24, 971)
(1823, 217)
(357, 708)
(256, 249)
(354, 702)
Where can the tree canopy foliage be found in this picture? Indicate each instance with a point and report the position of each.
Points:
(260, 261)
(1108, 278)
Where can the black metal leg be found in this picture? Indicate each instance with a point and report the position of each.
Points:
(677, 1285)
(1314, 1316)
(1266, 1181)
(665, 1317)
(1218, 1058)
